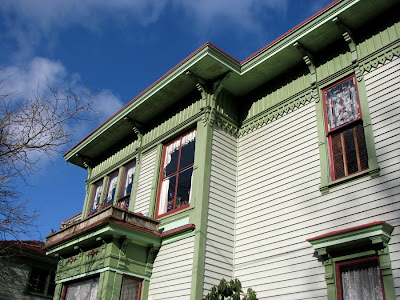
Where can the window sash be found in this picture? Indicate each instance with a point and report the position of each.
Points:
(111, 188)
(96, 197)
(359, 279)
(168, 199)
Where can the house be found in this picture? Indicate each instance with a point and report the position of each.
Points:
(26, 271)
(281, 170)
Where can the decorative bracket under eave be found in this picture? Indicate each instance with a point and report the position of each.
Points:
(136, 127)
(309, 60)
(209, 90)
(348, 37)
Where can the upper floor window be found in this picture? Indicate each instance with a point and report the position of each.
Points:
(176, 174)
(345, 131)
(96, 196)
(126, 185)
(111, 188)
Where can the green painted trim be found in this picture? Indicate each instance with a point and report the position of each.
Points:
(135, 183)
(201, 191)
(177, 238)
(154, 183)
(175, 223)
(145, 290)
(58, 291)
(373, 168)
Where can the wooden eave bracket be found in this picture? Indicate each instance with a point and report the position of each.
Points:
(348, 37)
(209, 90)
(309, 60)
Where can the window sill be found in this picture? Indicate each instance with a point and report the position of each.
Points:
(370, 172)
(172, 212)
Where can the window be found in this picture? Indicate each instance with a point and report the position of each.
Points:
(126, 186)
(111, 188)
(176, 174)
(82, 290)
(131, 289)
(357, 262)
(359, 279)
(41, 282)
(344, 128)
(96, 196)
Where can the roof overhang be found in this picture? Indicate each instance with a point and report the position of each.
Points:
(209, 62)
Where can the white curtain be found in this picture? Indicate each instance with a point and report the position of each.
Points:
(83, 290)
(128, 180)
(130, 289)
(362, 284)
(171, 148)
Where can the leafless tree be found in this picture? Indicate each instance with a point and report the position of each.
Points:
(30, 130)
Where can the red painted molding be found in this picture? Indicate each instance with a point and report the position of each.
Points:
(177, 230)
(347, 230)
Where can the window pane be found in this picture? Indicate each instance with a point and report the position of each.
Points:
(130, 289)
(171, 192)
(37, 280)
(129, 174)
(83, 290)
(184, 187)
(362, 147)
(96, 196)
(337, 155)
(187, 154)
(342, 104)
(361, 281)
(351, 154)
(171, 159)
(112, 186)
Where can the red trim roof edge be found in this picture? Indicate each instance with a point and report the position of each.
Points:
(332, 233)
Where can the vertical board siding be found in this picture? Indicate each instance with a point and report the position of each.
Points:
(221, 212)
(147, 166)
(172, 271)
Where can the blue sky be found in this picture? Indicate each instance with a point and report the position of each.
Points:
(117, 49)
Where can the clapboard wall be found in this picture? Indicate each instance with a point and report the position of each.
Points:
(279, 204)
(383, 90)
(221, 210)
(172, 271)
(142, 201)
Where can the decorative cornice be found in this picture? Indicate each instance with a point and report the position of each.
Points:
(276, 112)
(226, 124)
(386, 54)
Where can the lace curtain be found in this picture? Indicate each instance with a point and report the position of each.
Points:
(171, 148)
(362, 284)
(130, 289)
(83, 290)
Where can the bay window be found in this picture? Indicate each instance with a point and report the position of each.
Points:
(344, 128)
(176, 174)
(82, 290)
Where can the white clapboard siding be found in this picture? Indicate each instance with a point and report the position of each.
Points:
(221, 212)
(172, 271)
(145, 181)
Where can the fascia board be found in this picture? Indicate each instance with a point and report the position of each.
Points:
(207, 50)
(290, 39)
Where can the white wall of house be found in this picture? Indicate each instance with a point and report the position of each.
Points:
(142, 201)
(383, 90)
(221, 210)
(172, 271)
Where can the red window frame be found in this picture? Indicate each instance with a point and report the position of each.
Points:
(94, 187)
(122, 199)
(107, 187)
(140, 281)
(340, 265)
(356, 142)
(178, 170)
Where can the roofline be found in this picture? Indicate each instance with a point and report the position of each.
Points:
(290, 31)
(205, 45)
